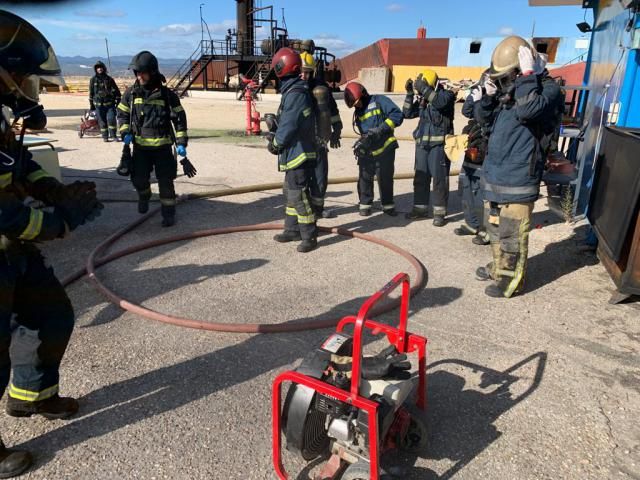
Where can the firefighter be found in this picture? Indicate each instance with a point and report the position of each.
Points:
(104, 96)
(36, 316)
(294, 143)
(434, 107)
(469, 180)
(375, 119)
(147, 115)
(517, 109)
(321, 171)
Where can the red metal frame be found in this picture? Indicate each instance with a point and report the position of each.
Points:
(405, 342)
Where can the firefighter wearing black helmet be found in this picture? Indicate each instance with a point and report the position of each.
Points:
(294, 144)
(147, 115)
(104, 97)
(30, 294)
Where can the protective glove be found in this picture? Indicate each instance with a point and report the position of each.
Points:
(490, 88)
(476, 94)
(422, 87)
(92, 107)
(388, 363)
(270, 146)
(334, 141)
(127, 139)
(409, 86)
(181, 150)
(79, 204)
(188, 168)
(124, 168)
(526, 59)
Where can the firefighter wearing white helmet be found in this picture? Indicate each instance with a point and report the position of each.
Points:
(434, 107)
(521, 105)
(328, 131)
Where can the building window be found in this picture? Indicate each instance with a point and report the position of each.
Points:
(542, 47)
(474, 47)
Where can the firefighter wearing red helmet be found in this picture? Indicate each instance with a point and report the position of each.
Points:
(375, 118)
(294, 143)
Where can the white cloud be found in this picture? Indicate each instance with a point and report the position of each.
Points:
(334, 44)
(101, 13)
(180, 29)
(506, 31)
(394, 7)
(84, 37)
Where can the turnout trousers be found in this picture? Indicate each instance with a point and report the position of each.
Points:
(382, 167)
(470, 189)
(36, 321)
(508, 227)
(299, 216)
(431, 163)
(107, 121)
(165, 165)
(318, 187)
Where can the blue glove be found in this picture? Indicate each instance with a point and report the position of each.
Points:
(127, 139)
(182, 150)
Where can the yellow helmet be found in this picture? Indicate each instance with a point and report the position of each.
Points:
(308, 62)
(504, 59)
(430, 77)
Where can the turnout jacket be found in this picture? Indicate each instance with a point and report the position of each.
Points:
(380, 110)
(148, 114)
(103, 91)
(295, 137)
(435, 111)
(515, 159)
(19, 179)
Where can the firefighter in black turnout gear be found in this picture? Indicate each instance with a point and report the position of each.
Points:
(328, 131)
(104, 97)
(294, 142)
(375, 119)
(434, 107)
(36, 316)
(147, 115)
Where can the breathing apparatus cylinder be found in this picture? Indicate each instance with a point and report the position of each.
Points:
(323, 115)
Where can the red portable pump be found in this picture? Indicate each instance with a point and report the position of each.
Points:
(331, 407)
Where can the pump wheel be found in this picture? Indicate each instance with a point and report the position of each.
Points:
(80, 133)
(415, 441)
(356, 471)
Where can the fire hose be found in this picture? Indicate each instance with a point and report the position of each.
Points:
(96, 260)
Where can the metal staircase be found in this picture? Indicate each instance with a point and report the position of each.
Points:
(193, 68)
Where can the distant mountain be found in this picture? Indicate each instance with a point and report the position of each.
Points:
(83, 66)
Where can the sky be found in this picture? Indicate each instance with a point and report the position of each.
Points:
(171, 29)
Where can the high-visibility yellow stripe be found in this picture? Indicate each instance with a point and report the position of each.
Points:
(31, 396)
(389, 122)
(299, 160)
(336, 119)
(124, 126)
(168, 201)
(178, 109)
(5, 179)
(291, 211)
(124, 108)
(389, 141)
(152, 142)
(431, 138)
(306, 112)
(370, 114)
(34, 227)
(522, 259)
(142, 101)
(33, 177)
(181, 133)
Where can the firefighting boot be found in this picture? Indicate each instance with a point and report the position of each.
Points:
(308, 245)
(464, 230)
(484, 273)
(13, 462)
(439, 221)
(482, 238)
(505, 277)
(52, 408)
(417, 214)
(168, 215)
(287, 236)
(143, 202)
(391, 212)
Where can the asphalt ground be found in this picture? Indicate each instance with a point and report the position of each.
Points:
(545, 385)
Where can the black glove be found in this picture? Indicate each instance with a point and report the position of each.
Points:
(79, 204)
(334, 141)
(188, 168)
(92, 107)
(274, 150)
(422, 87)
(124, 168)
(409, 86)
(388, 363)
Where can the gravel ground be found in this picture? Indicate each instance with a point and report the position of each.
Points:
(545, 385)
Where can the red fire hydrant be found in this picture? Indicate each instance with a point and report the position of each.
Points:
(253, 116)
